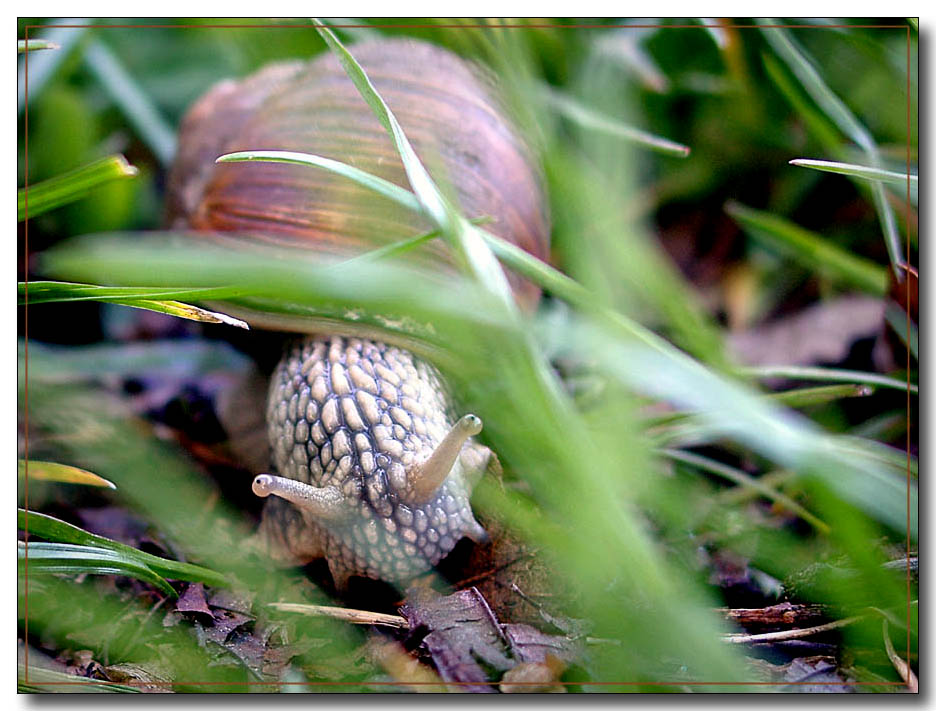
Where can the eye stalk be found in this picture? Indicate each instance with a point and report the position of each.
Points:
(325, 502)
(425, 479)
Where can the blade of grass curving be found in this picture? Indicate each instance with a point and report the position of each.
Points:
(858, 171)
(180, 310)
(61, 473)
(517, 259)
(132, 101)
(50, 681)
(379, 185)
(466, 243)
(44, 292)
(747, 481)
(836, 110)
(42, 66)
(71, 186)
(35, 44)
(803, 397)
(810, 249)
(729, 409)
(56, 292)
(897, 319)
(596, 121)
(800, 372)
(71, 559)
(57, 531)
(799, 63)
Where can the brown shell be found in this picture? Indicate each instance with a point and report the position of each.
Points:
(447, 108)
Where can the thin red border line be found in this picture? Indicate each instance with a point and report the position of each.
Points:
(404, 26)
(470, 683)
(472, 26)
(26, 354)
(908, 276)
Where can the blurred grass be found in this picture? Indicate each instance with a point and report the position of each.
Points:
(593, 477)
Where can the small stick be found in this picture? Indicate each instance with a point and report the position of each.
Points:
(902, 667)
(789, 634)
(357, 617)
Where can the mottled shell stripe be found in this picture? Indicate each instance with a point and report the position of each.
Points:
(357, 414)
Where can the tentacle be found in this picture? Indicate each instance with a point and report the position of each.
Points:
(424, 479)
(325, 502)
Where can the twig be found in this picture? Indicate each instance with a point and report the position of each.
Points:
(357, 617)
(790, 634)
(783, 614)
(902, 667)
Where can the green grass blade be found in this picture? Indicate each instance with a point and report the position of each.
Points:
(731, 411)
(836, 110)
(596, 121)
(47, 292)
(802, 397)
(181, 310)
(897, 320)
(804, 70)
(71, 559)
(53, 292)
(517, 259)
(71, 186)
(379, 185)
(57, 531)
(810, 249)
(798, 372)
(857, 171)
(44, 681)
(61, 473)
(139, 109)
(42, 66)
(35, 44)
(469, 247)
(745, 480)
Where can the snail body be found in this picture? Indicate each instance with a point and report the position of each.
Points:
(374, 466)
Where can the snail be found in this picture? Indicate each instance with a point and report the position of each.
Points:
(374, 468)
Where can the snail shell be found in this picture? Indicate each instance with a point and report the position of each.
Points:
(374, 467)
(448, 109)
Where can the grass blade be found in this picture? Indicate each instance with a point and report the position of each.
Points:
(797, 372)
(595, 121)
(731, 411)
(804, 70)
(51, 681)
(43, 66)
(47, 292)
(71, 186)
(132, 101)
(858, 171)
(180, 310)
(836, 110)
(53, 292)
(70, 559)
(62, 473)
(379, 185)
(745, 480)
(802, 397)
(810, 249)
(35, 44)
(57, 531)
(897, 320)
(469, 247)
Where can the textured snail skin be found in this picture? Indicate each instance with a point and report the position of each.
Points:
(373, 467)
(357, 418)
